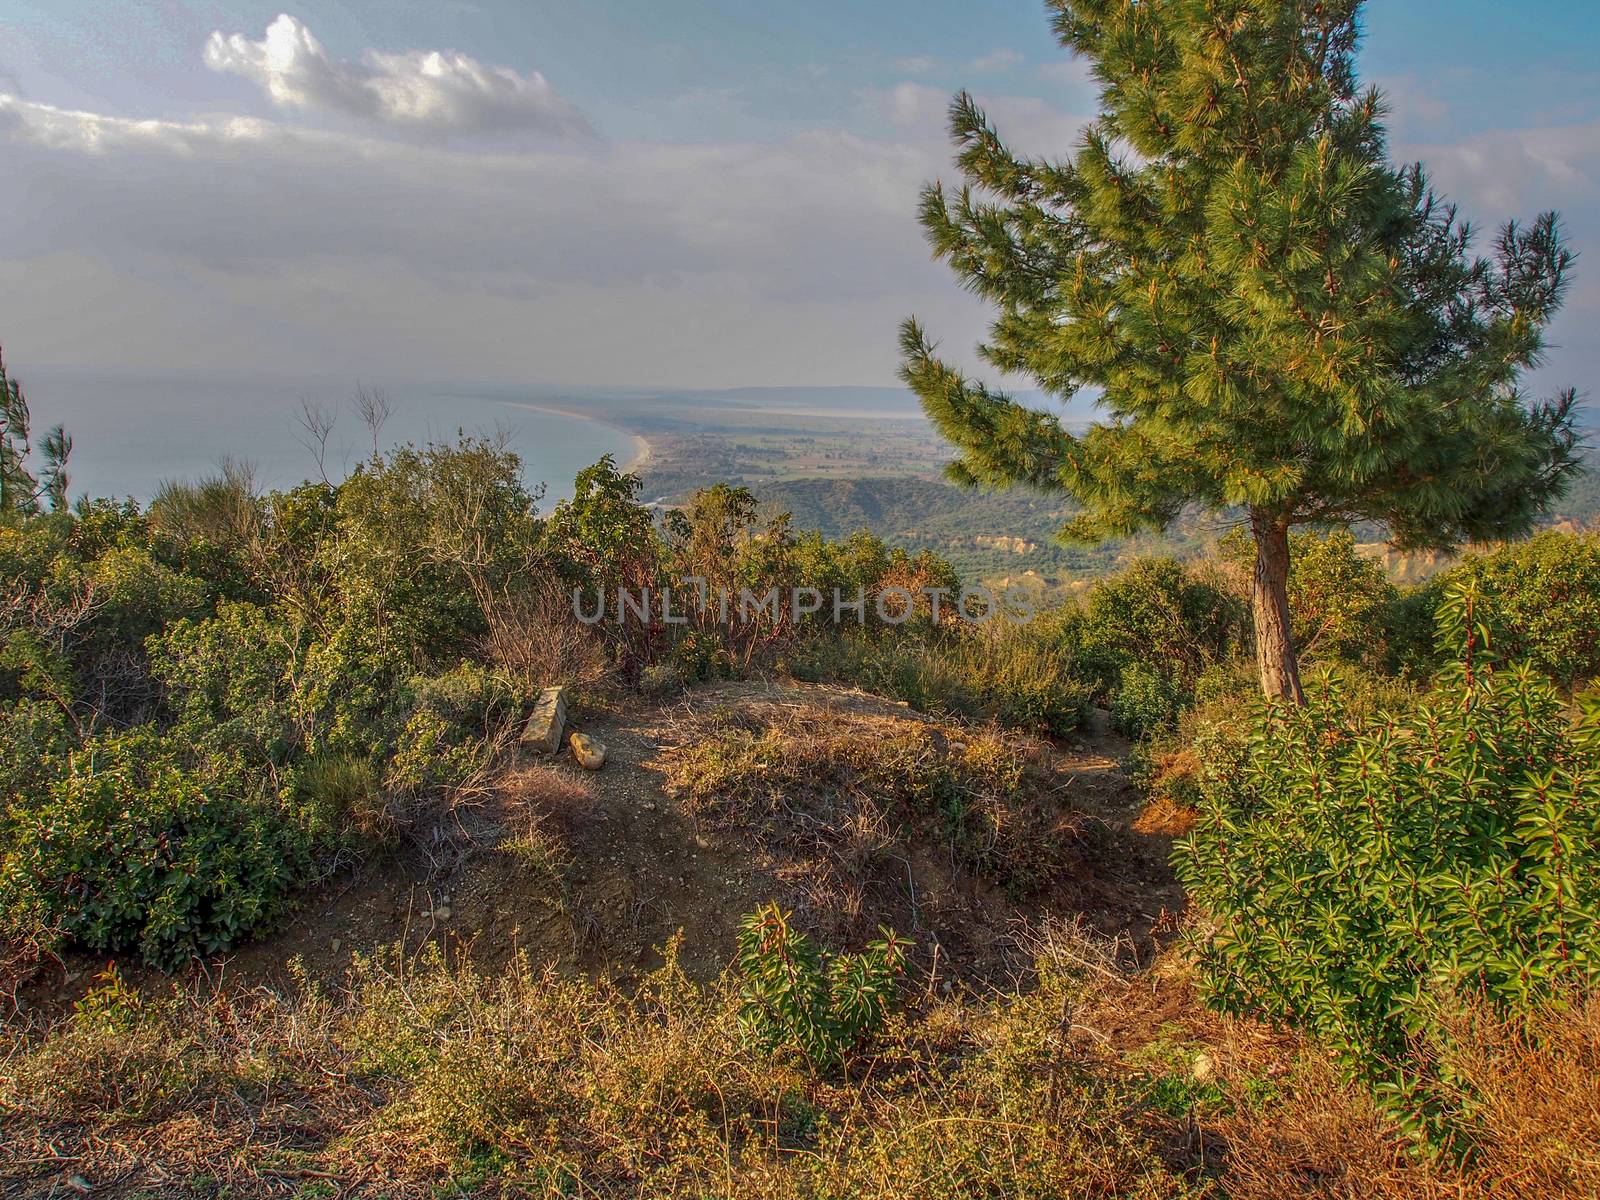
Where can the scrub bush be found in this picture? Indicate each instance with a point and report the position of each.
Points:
(799, 998)
(1540, 601)
(128, 849)
(1363, 871)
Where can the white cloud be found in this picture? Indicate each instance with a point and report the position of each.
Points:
(1069, 72)
(94, 133)
(912, 104)
(637, 263)
(249, 243)
(422, 91)
(996, 60)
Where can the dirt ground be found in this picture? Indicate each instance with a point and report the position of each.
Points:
(632, 866)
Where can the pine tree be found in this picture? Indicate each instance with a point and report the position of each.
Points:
(20, 491)
(1279, 323)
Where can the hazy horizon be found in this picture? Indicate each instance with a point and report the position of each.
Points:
(133, 431)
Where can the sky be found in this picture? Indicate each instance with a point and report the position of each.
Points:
(630, 193)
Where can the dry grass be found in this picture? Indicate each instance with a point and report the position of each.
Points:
(1270, 1116)
(543, 803)
(535, 638)
(422, 1079)
(1536, 1114)
(843, 790)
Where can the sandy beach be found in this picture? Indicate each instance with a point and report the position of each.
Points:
(641, 454)
(642, 449)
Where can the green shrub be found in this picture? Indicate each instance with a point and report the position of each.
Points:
(1340, 604)
(33, 743)
(700, 655)
(451, 730)
(1147, 700)
(128, 849)
(1360, 868)
(433, 755)
(663, 679)
(1158, 613)
(798, 998)
(1022, 676)
(468, 697)
(1540, 600)
(229, 681)
(1147, 634)
(339, 800)
(139, 595)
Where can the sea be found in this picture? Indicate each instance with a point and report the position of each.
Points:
(134, 430)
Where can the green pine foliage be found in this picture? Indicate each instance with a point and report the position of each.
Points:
(1360, 872)
(20, 490)
(1273, 317)
(797, 998)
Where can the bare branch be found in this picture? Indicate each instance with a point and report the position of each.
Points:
(316, 422)
(373, 406)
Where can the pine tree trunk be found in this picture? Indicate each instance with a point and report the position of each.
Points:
(1269, 603)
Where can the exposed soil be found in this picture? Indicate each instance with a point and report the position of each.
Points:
(626, 866)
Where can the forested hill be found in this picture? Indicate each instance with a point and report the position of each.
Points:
(985, 534)
(981, 533)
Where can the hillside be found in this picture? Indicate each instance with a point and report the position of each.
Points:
(291, 908)
(536, 1000)
(981, 533)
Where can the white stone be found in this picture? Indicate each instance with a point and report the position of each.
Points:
(589, 751)
(545, 727)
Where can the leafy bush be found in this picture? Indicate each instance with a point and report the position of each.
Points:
(798, 998)
(1540, 601)
(228, 681)
(139, 594)
(1151, 631)
(1360, 868)
(1161, 614)
(1340, 604)
(453, 728)
(339, 800)
(1022, 676)
(128, 849)
(33, 741)
(1147, 700)
(663, 679)
(433, 756)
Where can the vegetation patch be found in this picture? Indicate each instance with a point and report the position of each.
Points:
(422, 1077)
(851, 786)
(1366, 872)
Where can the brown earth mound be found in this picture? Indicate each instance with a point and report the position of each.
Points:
(595, 871)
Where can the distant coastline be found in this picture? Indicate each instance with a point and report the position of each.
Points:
(135, 430)
(642, 449)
